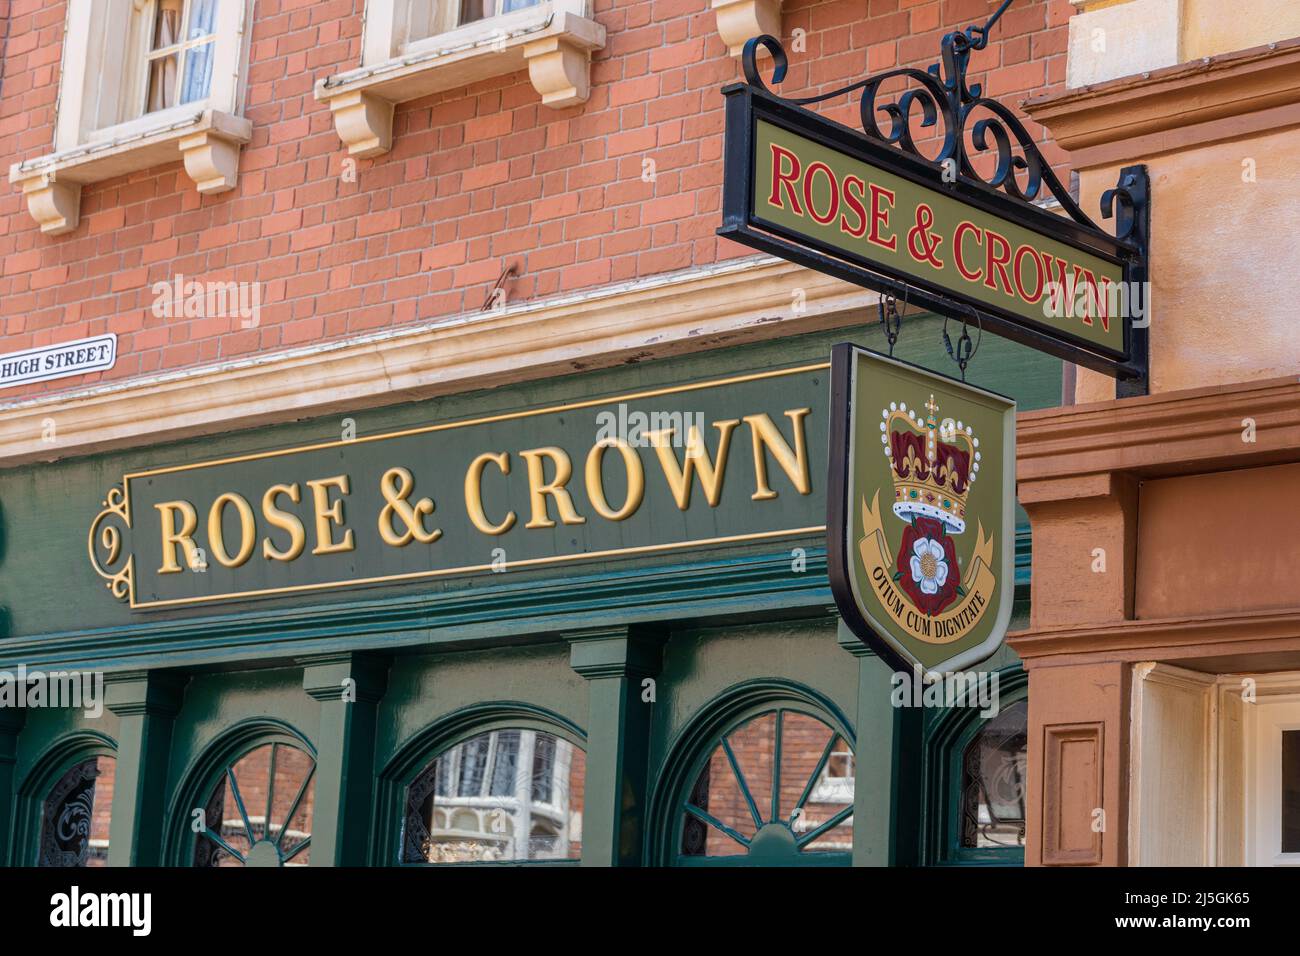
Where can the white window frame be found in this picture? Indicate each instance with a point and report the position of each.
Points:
(831, 788)
(102, 40)
(1204, 775)
(553, 40)
(1265, 722)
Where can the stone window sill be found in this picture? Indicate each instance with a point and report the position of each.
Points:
(208, 142)
(555, 45)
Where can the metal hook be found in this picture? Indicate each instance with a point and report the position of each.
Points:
(966, 347)
(891, 318)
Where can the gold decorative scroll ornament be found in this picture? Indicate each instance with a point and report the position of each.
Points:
(105, 541)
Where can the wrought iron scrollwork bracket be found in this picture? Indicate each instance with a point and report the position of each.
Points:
(968, 126)
(1130, 205)
(943, 96)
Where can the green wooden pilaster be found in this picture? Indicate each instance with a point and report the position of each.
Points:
(11, 723)
(887, 760)
(349, 688)
(146, 705)
(616, 661)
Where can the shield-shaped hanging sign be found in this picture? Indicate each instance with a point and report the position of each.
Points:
(921, 522)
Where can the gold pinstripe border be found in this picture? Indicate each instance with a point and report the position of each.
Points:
(483, 420)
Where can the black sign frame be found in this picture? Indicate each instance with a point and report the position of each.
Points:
(747, 103)
(839, 509)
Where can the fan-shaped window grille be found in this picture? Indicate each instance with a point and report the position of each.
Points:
(259, 813)
(777, 788)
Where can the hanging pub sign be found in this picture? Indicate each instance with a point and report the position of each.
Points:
(921, 511)
(920, 523)
(869, 207)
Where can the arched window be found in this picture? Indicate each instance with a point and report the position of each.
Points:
(508, 795)
(993, 781)
(763, 776)
(259, 811)
(246, 800)
(776, 787)
(75, 815)
(977, 780)
(64, 804)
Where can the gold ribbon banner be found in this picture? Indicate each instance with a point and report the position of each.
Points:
(953, 624)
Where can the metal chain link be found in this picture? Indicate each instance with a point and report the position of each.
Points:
(966, 346)
(891, 318)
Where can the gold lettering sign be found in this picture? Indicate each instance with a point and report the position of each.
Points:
(705, 464)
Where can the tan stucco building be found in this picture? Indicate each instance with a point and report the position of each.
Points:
(1164, 643)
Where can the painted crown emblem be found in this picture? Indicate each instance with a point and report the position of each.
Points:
(933, 463)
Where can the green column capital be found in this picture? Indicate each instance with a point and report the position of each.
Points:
(141, 693)
(851, 642)
(615, 652)
(323, 676)
(345, 751)
(146, 704)
(616, 661)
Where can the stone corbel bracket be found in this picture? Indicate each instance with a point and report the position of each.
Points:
(208, 143)
(740, 20)
(556, 51)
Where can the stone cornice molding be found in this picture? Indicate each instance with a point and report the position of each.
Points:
(1271, 631)
(1084, 458)
(1068, 452)
(748, 299)
(1208, 100)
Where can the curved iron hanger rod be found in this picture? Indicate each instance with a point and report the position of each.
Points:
(943, 92)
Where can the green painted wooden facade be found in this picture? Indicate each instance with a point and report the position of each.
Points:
(721, 632)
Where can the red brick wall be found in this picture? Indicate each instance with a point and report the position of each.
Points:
(101, 813)
(477, 179)
(577, 797)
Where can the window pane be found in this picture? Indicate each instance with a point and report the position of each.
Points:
(543, 767)
(814, 767)
(428, 18)
(717, 793)
(471, 10)
(162, 83)
(1291, 791)
(75, 816)
(292, 769)
(261, 809)
(504, 764)
(509, 6)
(804, 742)
(443, 775)
(754, 747)
(838, 839)
(203, 18)
(993, 782)
(198, 72)
(517, 818)
(473, 760)
(167, 24)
